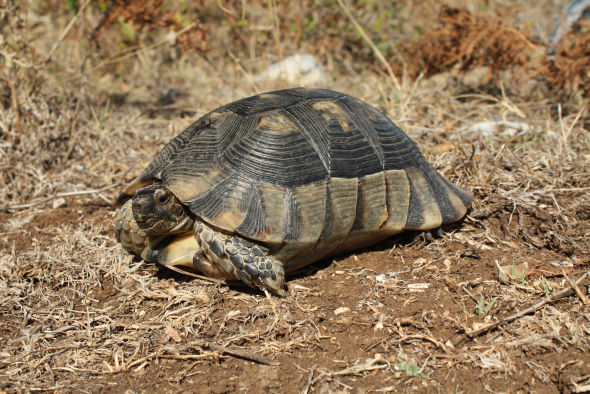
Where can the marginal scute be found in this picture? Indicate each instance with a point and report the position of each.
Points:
(341, 198)
(427, 207)
(305, 219)
(451, 206)
(273, 202)
(371, 207)
(398, 200)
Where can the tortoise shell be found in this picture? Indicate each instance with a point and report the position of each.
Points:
(306, 172)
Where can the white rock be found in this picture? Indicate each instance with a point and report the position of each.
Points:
(58, 202)
(300, 68)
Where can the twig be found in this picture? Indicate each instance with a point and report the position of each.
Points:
(556, 297)
(372, 45)
(573, 189)
(63, 329)
(576, 288)
(404, 339)
(243, 71)
(306, 390)
(469, 294)
(67, 194)
(206, 278)
(65, 32)
(19, 128)
(238, 353)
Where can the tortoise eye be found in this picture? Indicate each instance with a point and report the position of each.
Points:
(163, 199)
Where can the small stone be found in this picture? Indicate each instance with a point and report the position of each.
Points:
(59, 203)
(341, 310)
(173, 334)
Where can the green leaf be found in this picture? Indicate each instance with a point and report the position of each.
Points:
(71, 4)
(126, 30)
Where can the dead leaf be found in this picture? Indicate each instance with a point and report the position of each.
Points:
(173, 334)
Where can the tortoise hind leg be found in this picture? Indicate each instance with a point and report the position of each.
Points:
(249, 262)
(437, 231)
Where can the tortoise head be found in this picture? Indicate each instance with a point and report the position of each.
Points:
(158, 212)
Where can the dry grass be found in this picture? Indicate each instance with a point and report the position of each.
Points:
(78, 314)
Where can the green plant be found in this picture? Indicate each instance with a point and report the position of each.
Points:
(408, 367)
(101, 118)
(482, 309)
(548, 287)
(515, 277)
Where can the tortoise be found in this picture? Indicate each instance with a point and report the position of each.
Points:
(273, 182)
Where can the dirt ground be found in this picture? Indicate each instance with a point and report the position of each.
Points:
(357, 311)
(78, 120)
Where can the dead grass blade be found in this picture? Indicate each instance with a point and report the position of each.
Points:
(562, 294)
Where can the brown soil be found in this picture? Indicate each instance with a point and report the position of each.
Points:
(322, 341)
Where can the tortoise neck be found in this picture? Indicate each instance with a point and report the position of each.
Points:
(183, 226)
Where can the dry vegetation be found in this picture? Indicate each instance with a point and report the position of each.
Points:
(90, 89)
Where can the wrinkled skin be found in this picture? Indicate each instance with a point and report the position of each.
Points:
(158, 212)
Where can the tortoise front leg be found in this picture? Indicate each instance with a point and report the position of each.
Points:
(235, 255)
(132, 238)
